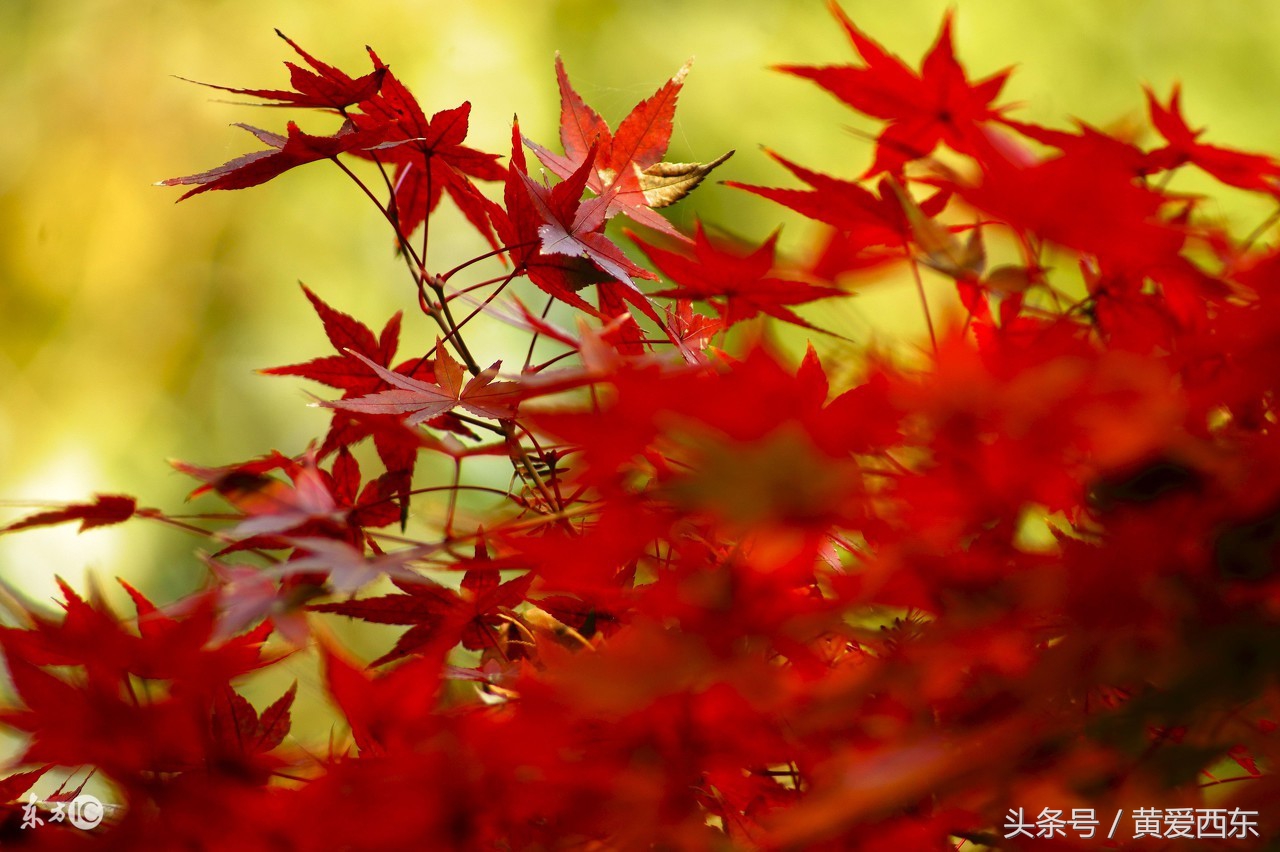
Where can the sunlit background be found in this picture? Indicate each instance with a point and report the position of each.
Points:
(130, 327)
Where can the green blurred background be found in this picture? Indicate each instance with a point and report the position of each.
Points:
(130, 327)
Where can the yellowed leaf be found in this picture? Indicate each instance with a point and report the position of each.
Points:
(664, 184)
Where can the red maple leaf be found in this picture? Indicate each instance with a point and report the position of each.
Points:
(937, 105)
(13, 786)
(326, 87)
(573, 226)
(382, 710)
(1256, 172)
(185, 645)
(270, 505)
(428, 155)
(618, 163)
(73, 723)
(517, 222)
(421, 401)
(1089, 199)
(440, 617)
(558, 239)
(348, 335)
(374, 505)
(738, 285)
(286, 152)
(1086, 141)
(346, 567)
(96, 715)
(105, 510)
(397, 446)
(1085, 198)
(871, 227)
(239, 730)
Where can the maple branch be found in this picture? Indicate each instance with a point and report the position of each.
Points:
(517, 449)
(533, 341)
(489, 299)
(498, 251)
(924, 302)
(452, 334)
(426, 219)
(488, 282)
(442, 315)
(524, 523)
(1232, 780)
(433, 488)
(393, 208)
(478, 423)
(453, 498)
(545, 364)
(1263, 227)
(172, 521)
(551, 465)
(393, 219)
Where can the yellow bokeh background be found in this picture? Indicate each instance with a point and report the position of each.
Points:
(130, 327)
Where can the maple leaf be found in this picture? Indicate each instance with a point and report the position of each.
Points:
(938, 105)
(270, 504)
(13, 786)
(628, 169)
(184, 645)
(374, 505)
(239, 729)
(325, 87)
(397, 445)
(871, 227)
(518, 223)
(166, 646)
(286, 152)
(693, 330)
(73, 723)
(738, 285)
(1083, 199)
(95, 716)
(428, 156)
(421, 401)
(347, 567)
(229, 480)
(1256, 172)
(1088, 199)
(557, 239)
(574, 227)
(1086, 141)
(105, 510)
(246, 596)
(348, 335)
(384, 710)
(440, 617)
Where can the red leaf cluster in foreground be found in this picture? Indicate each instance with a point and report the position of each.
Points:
(972, 598)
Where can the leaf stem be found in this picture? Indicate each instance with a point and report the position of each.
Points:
(924, 301)
(495, 252)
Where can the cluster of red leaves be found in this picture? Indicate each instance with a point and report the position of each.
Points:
(729, 602)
